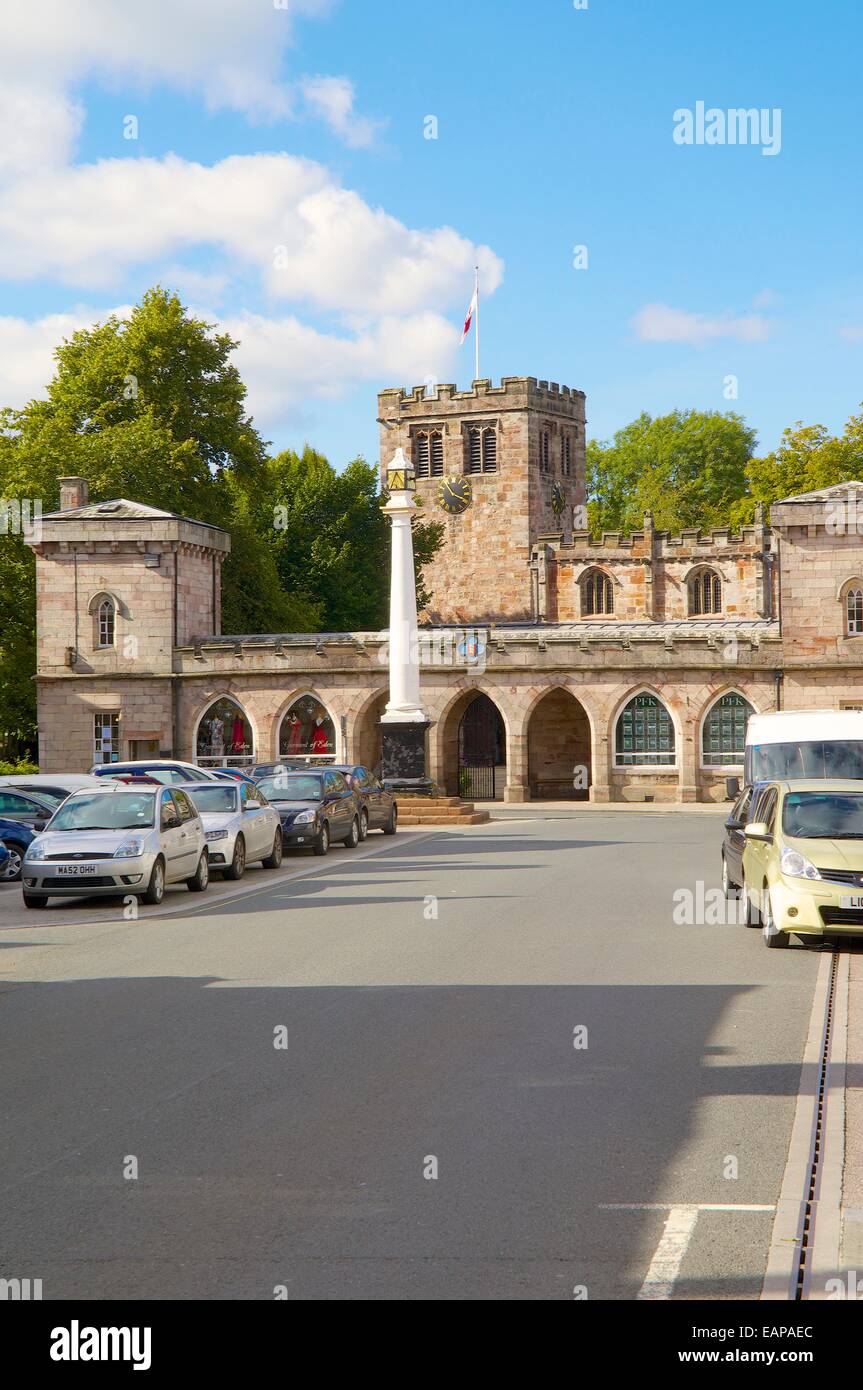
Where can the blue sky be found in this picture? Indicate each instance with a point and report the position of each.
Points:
(555, 129)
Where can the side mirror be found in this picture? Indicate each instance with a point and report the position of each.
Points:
(757, 830)
(39, 826)
(732, 824)
(732, 788)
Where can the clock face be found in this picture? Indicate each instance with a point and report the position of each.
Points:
(454, 494)
(558, 498)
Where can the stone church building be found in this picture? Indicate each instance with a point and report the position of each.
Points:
(554, 664)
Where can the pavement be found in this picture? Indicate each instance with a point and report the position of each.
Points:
(485, 1064)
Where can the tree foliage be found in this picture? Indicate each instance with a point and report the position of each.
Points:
(687, 468)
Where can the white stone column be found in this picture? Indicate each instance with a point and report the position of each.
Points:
(403, 706)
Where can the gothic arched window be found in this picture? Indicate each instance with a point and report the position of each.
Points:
(705, 593)
(106, 617)
(597, 594)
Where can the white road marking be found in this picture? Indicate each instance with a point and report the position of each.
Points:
(677, 1233)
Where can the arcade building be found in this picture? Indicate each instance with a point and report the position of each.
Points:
(554, 664)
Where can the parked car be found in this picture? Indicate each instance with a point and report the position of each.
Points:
(232, 774)
(52, 787)
(4, 858)
(803, 861)
(166, 770)
(240, 825)
(267, 770)
(378, 807)
(118, 840)
(16, 836)
(25, 807)
(735, 841)
(315, 808)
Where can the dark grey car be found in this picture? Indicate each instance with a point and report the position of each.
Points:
(378, 807)
(315, 806)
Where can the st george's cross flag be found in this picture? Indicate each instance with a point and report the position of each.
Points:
(470, 313)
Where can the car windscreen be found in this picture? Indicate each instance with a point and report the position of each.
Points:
(823, 815)
(290, 786)
(52, 798)
(213, 796)
(837, 759)
(107, 811)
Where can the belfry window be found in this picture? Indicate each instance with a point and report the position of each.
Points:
(566, 455)
(428, 454)
(705, 594)
(597, 594)
(482, 449)
(544, 451)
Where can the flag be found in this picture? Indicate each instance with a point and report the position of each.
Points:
(470, 313)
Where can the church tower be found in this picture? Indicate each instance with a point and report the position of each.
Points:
(503, 467)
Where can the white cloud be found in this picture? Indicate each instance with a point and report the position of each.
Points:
(659, 323)
(283, 361)
(767, 299)
(228, 52)
(332, 98)
(285, 218)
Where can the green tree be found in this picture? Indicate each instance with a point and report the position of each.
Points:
(330, 537)
(808, 457)
(688, 468)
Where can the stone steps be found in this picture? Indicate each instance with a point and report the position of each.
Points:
(439, 810)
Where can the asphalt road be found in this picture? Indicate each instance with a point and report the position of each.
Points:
(430, 995)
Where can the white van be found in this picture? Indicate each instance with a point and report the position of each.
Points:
(815, 743)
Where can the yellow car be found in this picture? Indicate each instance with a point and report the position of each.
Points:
(803, 860)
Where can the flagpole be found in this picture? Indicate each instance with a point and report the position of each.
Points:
(476, 345)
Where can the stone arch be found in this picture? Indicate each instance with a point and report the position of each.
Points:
(301, 741)
(559, 746)
(234, 743)
(487, 777)
(364, 732)
(677, 719)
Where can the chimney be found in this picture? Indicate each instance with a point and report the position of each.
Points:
(74, 492)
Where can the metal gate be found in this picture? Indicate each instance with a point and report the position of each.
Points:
(476, 781)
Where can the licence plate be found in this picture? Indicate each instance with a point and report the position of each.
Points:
(847, 901)
(76, 870)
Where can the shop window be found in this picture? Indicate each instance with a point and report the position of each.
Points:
(723, 735)
(644, 736)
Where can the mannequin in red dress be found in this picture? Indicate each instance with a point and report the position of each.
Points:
(237, 736)
(320, 742)
(295, 735)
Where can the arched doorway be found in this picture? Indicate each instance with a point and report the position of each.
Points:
(224, 736)
(366, 743)
(481, 749)
(307, 734)
(558, 748)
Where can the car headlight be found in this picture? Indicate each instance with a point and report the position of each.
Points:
(305, 817)
(796, 865)
(132, 848)
(216, 835)
(35, 851)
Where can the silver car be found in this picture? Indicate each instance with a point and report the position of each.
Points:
(240, 825)
(117, 840)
